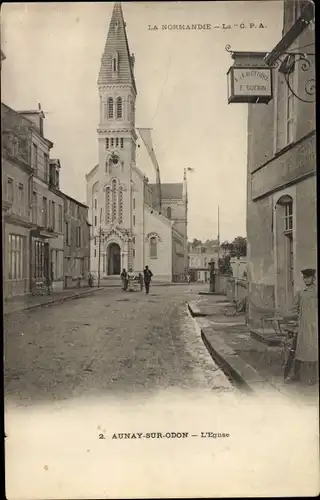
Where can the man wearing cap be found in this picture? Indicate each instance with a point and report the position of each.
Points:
(305, 305)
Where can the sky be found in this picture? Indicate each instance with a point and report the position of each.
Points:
(53, 54)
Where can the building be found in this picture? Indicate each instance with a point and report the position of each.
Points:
(281, 197)
(199, 257)
(76, 243)
(16, 182)
(239, 267)
(33, 238)
(47, 208)
(123, 206)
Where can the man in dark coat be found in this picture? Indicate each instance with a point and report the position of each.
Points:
(305, 307)
(124, 277)
(147, 275)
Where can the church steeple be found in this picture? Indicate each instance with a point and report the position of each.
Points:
(116, 62)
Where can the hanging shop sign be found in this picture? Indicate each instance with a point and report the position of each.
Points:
(249, 79)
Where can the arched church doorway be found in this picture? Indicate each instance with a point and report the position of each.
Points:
(114, 259)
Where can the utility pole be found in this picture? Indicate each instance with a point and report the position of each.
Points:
(99, 254)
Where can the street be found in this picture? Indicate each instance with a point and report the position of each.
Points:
(111, 342)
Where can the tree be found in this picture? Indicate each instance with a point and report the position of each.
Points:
(225, 266)
(196, 242)
(239, 247)
(226, 247)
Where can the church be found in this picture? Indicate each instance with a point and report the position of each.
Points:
(134, 223)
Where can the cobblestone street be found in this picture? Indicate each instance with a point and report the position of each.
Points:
(111, 342)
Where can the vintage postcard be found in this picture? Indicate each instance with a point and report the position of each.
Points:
(159, 249)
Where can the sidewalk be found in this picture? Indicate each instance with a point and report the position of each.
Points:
(21, 303)
(253, 365)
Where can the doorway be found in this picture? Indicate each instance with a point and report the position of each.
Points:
(114, 259)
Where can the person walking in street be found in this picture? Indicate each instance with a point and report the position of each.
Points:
(304, 309)
(141, 281)
(147, 275)
(124, 277)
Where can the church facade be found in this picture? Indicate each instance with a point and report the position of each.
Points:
(130, 229)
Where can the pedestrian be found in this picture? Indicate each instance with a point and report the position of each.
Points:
(304, 309)
(147, 275)
(124, 277)
(141, 281)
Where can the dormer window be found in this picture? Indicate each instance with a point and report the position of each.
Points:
(115, 62)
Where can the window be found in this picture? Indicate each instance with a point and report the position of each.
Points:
(16, 257)
(290, 111)
(112, 142)
(107, 143)
(66, 229)
(120, 205)
(95, 203)
(46, 167)
(288, 217)
(107, 204)
(44, 211)
(169, 212)
(121, 142)
(60, 219)
(35, 157)
(133, 240)
(95, 252)
(78, 236)
(134, 203)
(153, 247)
(10, 190)
(115, 58)
(95, 240)
(134, 220)
(133, 252)
(110, 107)
(21, 199)
(114, 200)
(117, 141)
(119, 107)
(53, 216)
(95, 220)
(34, 208)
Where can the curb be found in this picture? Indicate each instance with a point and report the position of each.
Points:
(233, 366)
(57, 301)
(244, 376)
(195, 311)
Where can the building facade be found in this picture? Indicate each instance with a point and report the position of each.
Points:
(76, 243)
(128, 230)
(16, 182)
(46, 236)
(199, 257)
(281, 197)
(33, 208)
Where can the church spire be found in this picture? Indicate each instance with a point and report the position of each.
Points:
(116, 62)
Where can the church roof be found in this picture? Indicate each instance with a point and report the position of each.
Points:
(171, 191)
(117, 43)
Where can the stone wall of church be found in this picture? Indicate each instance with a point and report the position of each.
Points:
(160, 263)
